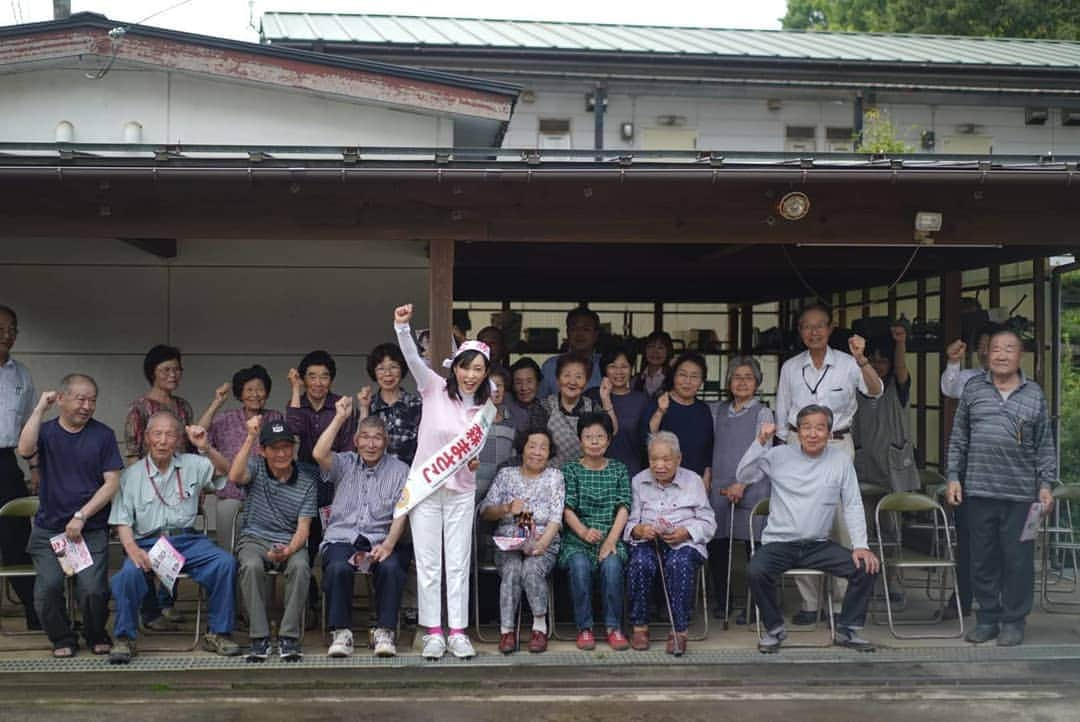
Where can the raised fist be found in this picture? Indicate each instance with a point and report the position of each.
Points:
(956, 350)
(221, 393)
(765, 433)
(48, 398)
(197, 435)
(663, 401)
(344, 406)
(898, 332)
(294, 379)
(402, 314)
(857, 346)
(254, 424)
(605, 391)
(364, 397)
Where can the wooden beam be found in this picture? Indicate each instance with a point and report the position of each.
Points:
(1039, 289)
(440, 299)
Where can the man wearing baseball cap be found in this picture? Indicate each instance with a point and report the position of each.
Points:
(277, 519)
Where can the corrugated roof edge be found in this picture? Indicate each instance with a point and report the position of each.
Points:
(96, 20)
(776, 31)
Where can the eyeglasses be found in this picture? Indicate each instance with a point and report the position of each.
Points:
(9, 330)
(388, 369)
(688, 376)
(170, 370)
(594, 437)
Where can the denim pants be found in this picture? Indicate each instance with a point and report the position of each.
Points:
(208, 564)
(338, 575)
(581, 571)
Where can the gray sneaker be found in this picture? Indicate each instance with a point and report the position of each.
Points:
(220, 644)
(771, 640)
(260, 649)
(460, 646)
(434, 646)
(982, 633)
(1011, 635)
(289, 649)
(123, 651)
(850, 638)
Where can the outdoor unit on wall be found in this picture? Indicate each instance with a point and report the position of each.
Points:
(800, 139)
(554, 133)
(1070, 116)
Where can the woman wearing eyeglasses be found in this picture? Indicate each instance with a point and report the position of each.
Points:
(681, 412)
(399, 408)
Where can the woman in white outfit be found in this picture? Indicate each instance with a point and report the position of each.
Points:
(442, 524)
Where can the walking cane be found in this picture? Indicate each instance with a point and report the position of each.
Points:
(677, 647)
(730, 547)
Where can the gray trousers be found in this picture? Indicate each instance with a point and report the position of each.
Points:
(519, 573)
(254, 584)
(91, 589)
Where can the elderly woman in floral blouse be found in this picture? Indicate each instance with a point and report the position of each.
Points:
(228, 431)
(530, 495)
(597, 506)
(670, 523)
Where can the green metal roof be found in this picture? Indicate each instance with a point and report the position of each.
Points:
(530, 35)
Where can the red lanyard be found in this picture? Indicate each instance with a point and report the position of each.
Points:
(179, 485)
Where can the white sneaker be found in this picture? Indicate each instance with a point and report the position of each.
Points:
(384, 643)
(461, 647)
(434, 646)
(341, 645)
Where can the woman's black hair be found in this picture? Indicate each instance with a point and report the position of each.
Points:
(502, 373)
(241, 377)
(386, 351)
(157, 356)
(527, 363)
(595, 418)
(572, 358)
(687, 357)
(663, 337)
(483, 391)
(318, 358)
(612, 355)
(522, 438)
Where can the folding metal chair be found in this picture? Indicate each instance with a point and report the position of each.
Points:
(940, 561)
(1062, 539)
(761, 509)
(24, 507)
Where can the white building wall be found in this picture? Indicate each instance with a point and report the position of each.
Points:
(179, 108)
(747, 124)
(97, 306)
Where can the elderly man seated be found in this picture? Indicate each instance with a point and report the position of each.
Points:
(159, 498)
(670, 522)
(809, 482)
(362, 533)
(278, 511)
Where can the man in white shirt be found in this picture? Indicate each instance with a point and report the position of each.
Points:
(810, 481)
(824, 376)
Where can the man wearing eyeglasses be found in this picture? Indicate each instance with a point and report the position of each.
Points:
(824, 376)
(16, 404)
(159, 499)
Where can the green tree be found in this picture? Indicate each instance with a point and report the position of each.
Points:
(879, 135)
(1056, 19)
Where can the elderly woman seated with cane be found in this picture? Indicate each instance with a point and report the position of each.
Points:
(527, 502)
(670, 523)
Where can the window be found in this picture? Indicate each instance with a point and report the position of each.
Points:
(554, 133)
(839, 140)
(800, 139)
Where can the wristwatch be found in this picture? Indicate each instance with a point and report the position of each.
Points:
(79, 515)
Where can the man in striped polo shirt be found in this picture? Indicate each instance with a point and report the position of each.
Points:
(1002, 446)
(279, 508)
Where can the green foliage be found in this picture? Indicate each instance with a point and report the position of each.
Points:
(1070, 380)
(1057, 19)
(879, 135)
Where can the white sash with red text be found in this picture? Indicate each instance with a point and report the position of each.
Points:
(426, 478)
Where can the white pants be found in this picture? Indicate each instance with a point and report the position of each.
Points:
(809, 589)
(442, 526)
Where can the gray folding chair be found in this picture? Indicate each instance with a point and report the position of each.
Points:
(1060, 539)
(24, 507)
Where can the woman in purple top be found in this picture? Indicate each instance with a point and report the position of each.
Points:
(627, 446)
(251, 387)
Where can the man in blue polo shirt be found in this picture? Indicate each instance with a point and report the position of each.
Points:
(278, 511)
(80, 473)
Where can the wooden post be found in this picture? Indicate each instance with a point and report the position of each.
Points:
(995, 286)
(951, 291)
(921, 382)
(440, 299)
(1038, 288)
(746, 327)
(733, 346)
(658, 316)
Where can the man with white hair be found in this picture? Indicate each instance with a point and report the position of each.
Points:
(809, 483)
(670, 520)
(159, 498)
